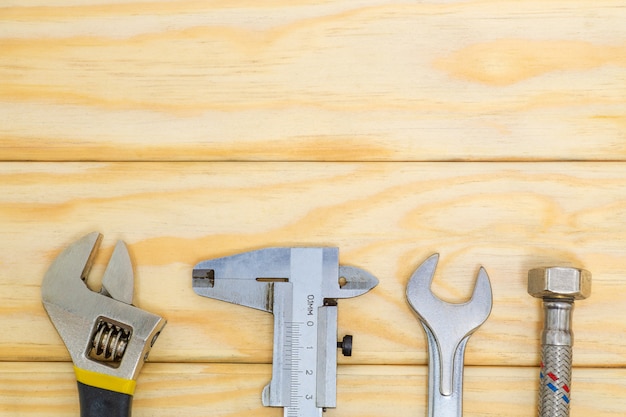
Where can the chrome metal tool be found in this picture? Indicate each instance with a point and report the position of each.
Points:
(300, 286)
(448, 328)
(107, 338)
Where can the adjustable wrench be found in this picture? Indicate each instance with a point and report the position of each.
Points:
(448, 328)
(300, 286)
(107, 338)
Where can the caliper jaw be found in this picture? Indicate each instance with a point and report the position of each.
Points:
(300, 286)
(108, 338)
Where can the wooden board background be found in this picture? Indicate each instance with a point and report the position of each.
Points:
(492, 132)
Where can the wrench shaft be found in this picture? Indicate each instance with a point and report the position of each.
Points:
(440, 405)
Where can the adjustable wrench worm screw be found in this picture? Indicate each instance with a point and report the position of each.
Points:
(558, 287)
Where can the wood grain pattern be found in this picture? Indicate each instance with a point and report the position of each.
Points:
(389, 129)
(307, 80)
(508, 217)
(191, 390)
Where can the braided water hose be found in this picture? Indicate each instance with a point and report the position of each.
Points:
(555, 380)
(556, 359)
(558, 287)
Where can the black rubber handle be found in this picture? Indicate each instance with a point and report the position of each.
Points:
(98, 402)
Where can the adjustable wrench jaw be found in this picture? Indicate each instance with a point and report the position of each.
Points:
(300, 287)
(108, 338)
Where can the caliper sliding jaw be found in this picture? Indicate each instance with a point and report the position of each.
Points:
(300, 286)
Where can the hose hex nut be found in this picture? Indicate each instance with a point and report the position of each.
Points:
(559, 282)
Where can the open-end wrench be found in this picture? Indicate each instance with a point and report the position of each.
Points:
(107, 338)
(448, 328)
(300, 286)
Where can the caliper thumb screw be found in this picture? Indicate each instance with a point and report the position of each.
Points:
(345, 345)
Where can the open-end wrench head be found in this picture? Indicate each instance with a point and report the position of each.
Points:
(449, 323)
(429, 307)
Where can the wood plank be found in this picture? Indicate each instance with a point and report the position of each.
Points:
(306, 80)
(48, 389)
(384, 217)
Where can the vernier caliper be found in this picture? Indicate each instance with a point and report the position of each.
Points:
(300, 286)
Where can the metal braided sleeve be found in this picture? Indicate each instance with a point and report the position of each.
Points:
(555, 379)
